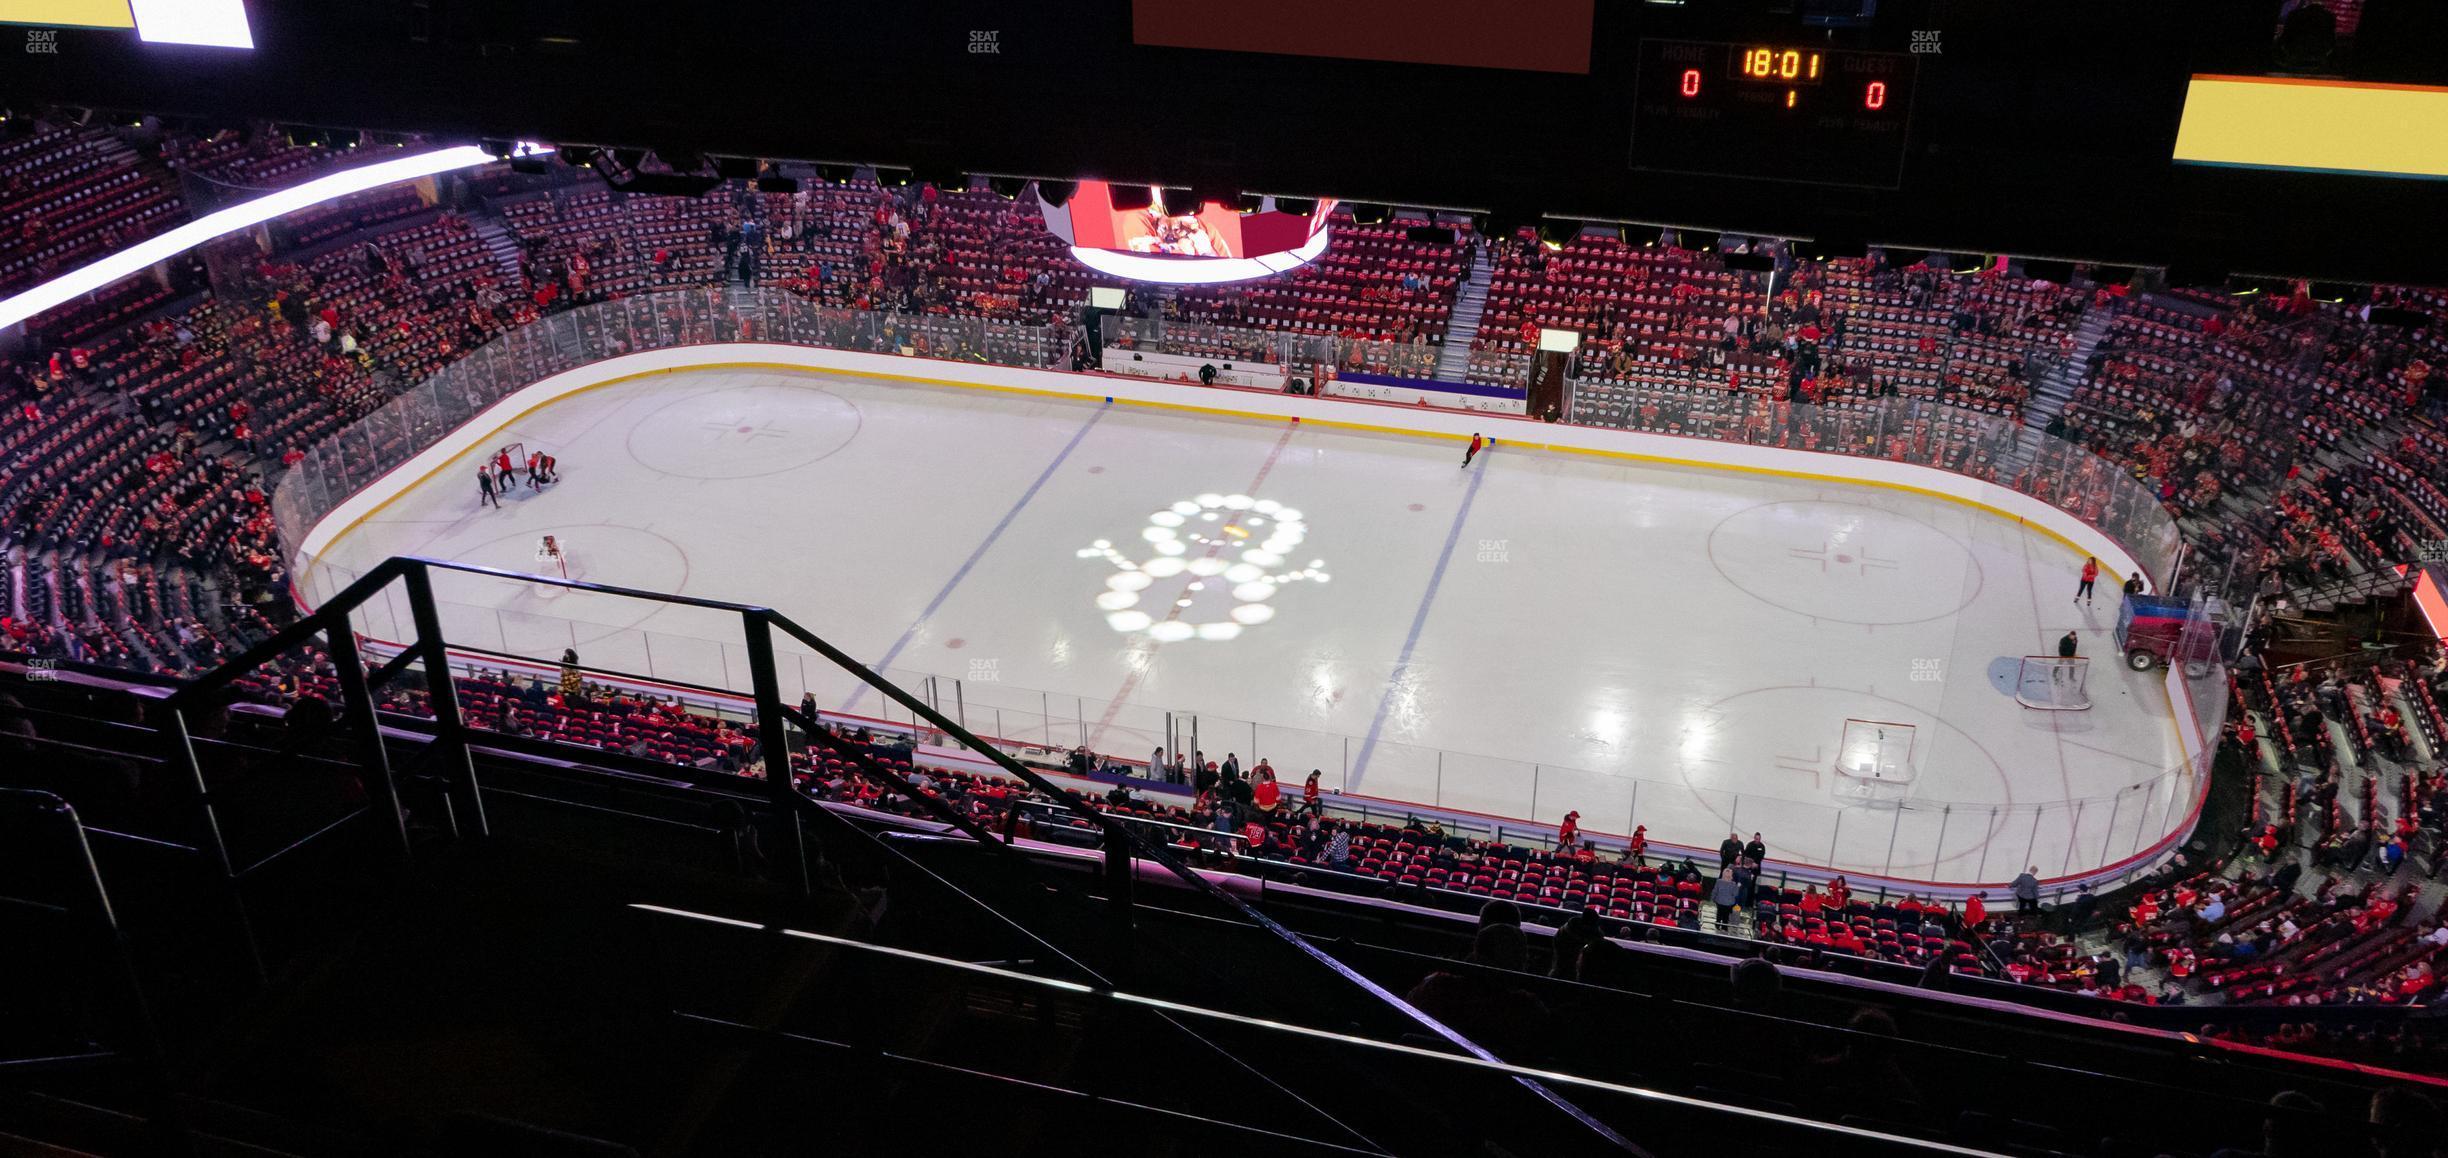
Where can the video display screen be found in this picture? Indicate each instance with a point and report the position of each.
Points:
(211, 23)
(2315, 126)
(1209, 230)
(1131, 231)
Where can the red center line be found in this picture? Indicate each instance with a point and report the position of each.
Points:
(1146, 654)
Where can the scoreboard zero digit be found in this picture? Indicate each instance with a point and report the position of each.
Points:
(1777, 112)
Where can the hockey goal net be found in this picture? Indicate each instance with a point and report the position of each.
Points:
(517, 452)
(2053, 683)
(1874, 762)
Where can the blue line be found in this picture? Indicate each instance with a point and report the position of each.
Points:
(1419, 621)
(983, 545)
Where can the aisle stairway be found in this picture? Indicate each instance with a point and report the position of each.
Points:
(2054, 390)
(499, 242)
(1453, 359)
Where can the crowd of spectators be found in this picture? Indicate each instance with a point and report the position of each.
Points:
(140, 451)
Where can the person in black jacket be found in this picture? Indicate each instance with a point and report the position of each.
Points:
(2284, 878)
(1731, 848)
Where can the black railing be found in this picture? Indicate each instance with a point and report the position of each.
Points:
(48, 876)
(447, 766)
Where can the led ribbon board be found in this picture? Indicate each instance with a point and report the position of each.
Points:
(211, 23)
(2318, 126)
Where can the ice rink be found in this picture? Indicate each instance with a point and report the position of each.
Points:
(1672, 646)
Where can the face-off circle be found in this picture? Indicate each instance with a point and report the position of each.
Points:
(1216, 564)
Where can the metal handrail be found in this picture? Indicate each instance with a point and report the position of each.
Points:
(1126, 1000)
(452, 752)
(1125, 846)
(92, 908)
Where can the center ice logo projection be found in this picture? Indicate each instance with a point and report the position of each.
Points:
(1231, 548)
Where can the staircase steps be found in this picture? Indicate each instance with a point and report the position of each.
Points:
(1453, 358)
(501, 244)
(2054, 390)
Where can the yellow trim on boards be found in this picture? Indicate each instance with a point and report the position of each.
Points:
(923, 380)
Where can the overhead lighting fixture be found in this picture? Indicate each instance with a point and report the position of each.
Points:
(2048, 270)
(1831, 248)
(161, 247)
(683, 185)
(680, 159)
(203, 23)
(2195, 275)
(1962, 263)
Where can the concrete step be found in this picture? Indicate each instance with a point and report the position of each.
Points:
(1470, 305)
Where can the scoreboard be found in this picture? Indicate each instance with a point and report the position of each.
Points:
(1773, 111)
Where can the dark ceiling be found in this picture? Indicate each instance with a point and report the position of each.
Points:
(2040, 128)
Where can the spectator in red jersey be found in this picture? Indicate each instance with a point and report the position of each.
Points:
(1264, 793)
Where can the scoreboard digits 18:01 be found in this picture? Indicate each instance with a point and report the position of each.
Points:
(1776, 112)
